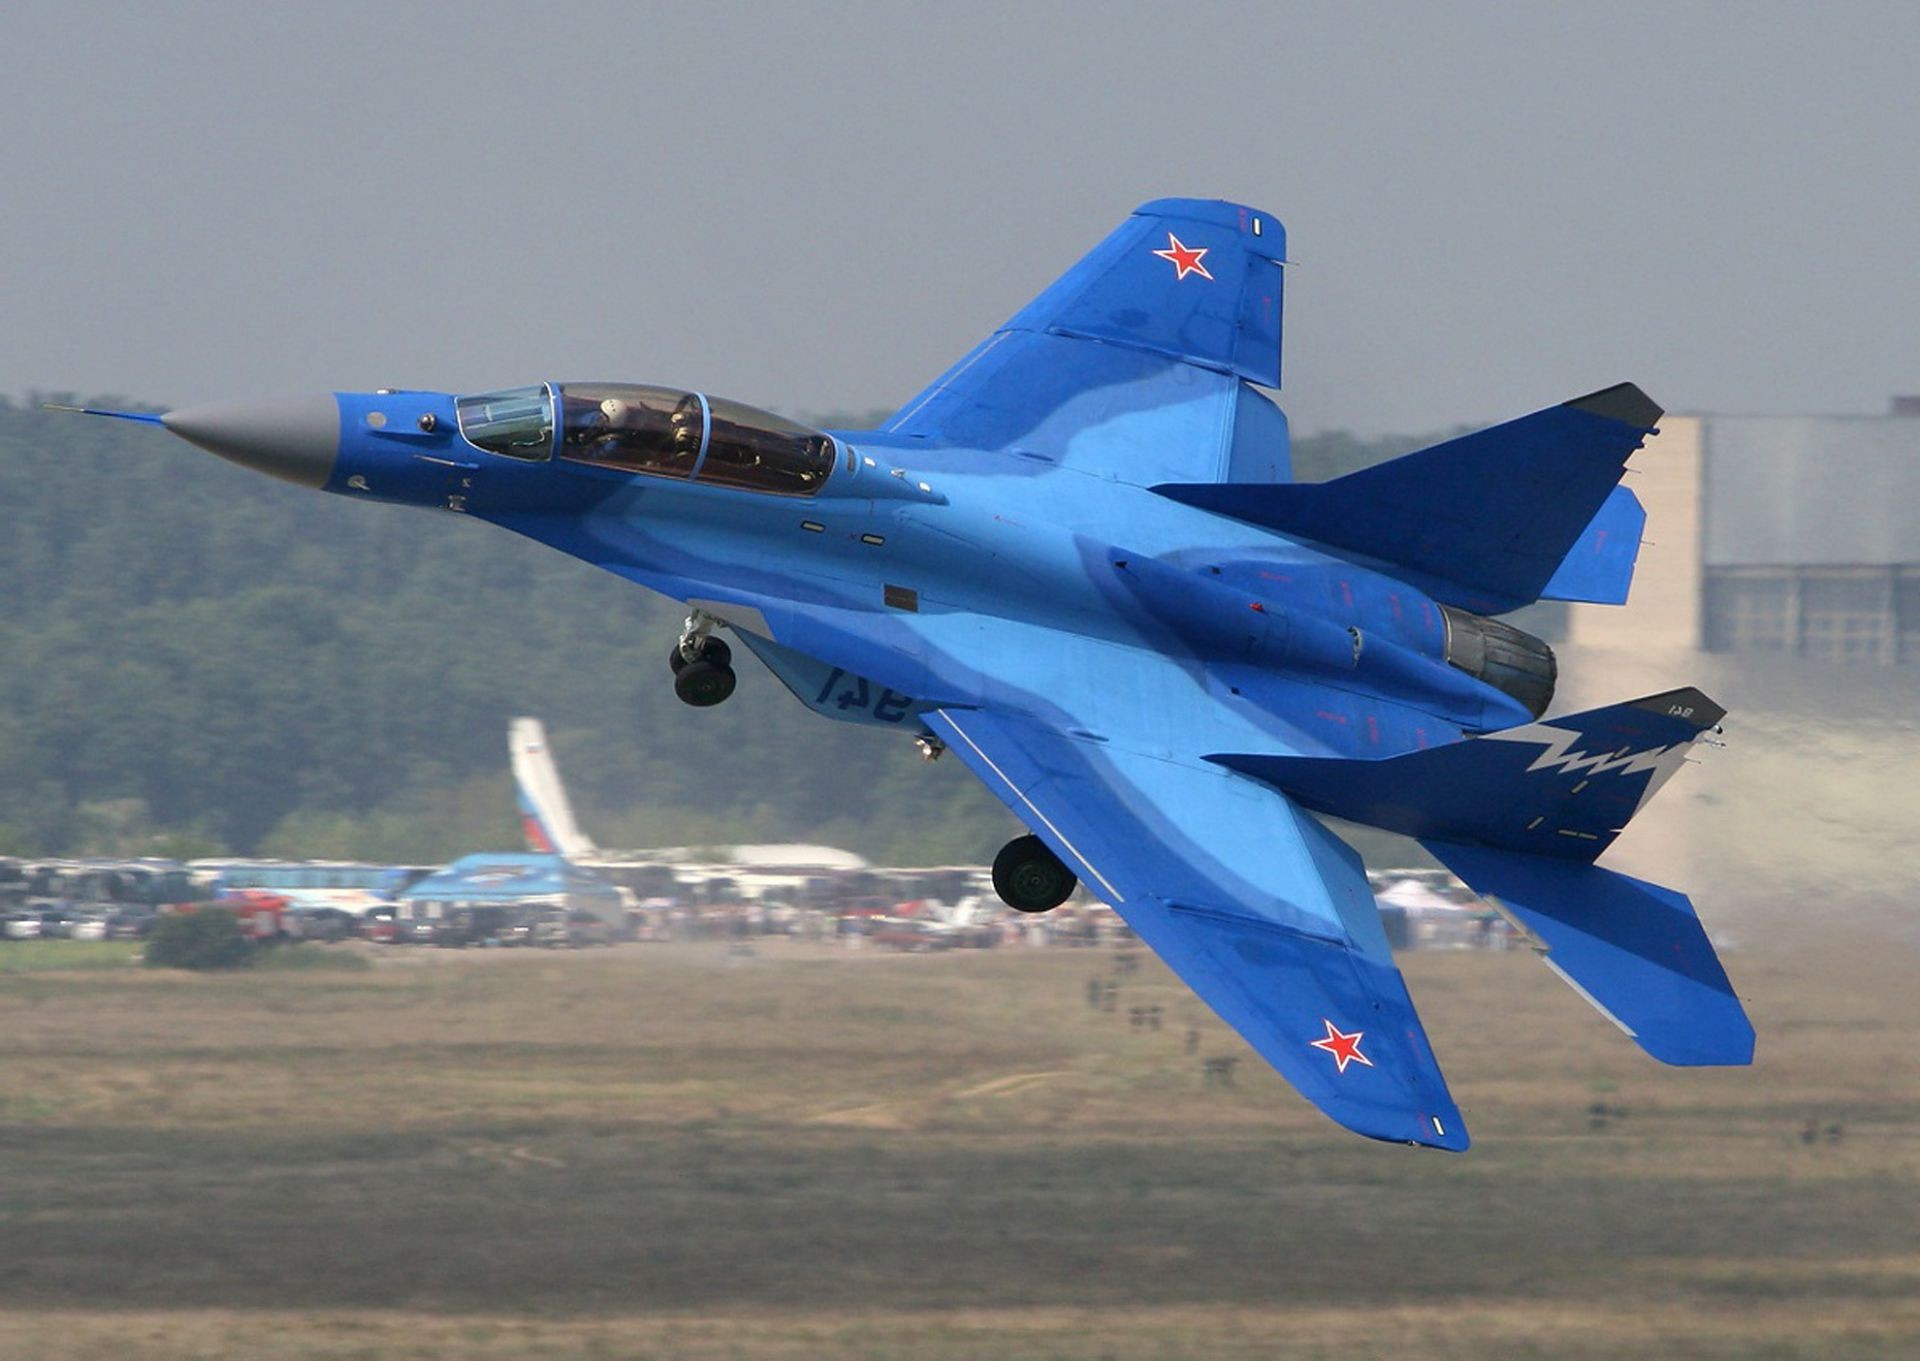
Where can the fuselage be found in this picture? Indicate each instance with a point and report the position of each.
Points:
(1076, 562)
(830, 541)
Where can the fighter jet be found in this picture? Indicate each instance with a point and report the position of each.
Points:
(1079, 562)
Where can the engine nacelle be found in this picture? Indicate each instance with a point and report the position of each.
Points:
(1509, 659)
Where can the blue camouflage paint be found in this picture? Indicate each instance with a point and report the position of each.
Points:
(1635, 950)
(1077, 559)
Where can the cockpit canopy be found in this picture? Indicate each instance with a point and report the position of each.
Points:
(517, 422)
(663, 432)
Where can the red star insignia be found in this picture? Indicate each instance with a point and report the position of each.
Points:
(1186, 259)
(1345, 1048)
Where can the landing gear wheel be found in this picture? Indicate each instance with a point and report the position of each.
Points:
(712, 650)
(1030, 878)
(702, 684)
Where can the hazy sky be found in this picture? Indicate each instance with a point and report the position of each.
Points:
(1491, 206)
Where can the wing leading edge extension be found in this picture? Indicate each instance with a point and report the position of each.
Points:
(1261, 910)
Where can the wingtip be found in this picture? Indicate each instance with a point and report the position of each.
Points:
(1729, 1047)
(1623, 402)
(1452, 1138)
(1241, 217)
(1446, 1133)
(1444, 1129)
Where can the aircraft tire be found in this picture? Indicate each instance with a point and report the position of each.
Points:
(714, 650)
(703, 684)
(1031, 878)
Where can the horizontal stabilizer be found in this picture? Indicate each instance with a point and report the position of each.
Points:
(1635, 950)
(1487, 522)
(1563, 788)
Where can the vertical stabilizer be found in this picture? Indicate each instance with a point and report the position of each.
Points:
(545, 814)
(1529, 510)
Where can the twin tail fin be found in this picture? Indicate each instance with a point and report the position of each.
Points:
(1529, 510)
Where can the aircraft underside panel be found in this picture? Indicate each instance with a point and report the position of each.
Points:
(1260, 909)
(834, 692)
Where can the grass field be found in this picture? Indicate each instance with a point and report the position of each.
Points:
(673, 1151)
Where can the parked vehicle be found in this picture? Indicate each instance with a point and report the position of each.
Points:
(908, 933)
(262, 913)
(103, 885)
(20, 925)
(309, 884)
(571, 930)
(318, 923)
(421, 922)
(520, 928)
(56, 923)
(418, 923)
(477, 925)
(130, 923)
(379, 926)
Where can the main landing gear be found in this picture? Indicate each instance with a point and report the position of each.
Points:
(1030, 878)
(702, 664)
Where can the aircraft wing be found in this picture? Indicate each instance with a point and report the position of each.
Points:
(1261, 910)
(1136, 361)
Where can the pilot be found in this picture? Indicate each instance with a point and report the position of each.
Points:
(687, 427)
(610, 430)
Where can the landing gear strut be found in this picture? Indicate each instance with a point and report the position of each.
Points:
(702, 664)
(1030, 878)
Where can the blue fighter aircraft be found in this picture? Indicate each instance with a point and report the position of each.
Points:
(1078, 561)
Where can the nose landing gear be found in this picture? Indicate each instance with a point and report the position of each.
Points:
(702, 664)
(1031, 878)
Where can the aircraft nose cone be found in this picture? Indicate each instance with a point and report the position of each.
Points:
(296, 439)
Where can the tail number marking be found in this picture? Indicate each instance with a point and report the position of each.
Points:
(846, 692)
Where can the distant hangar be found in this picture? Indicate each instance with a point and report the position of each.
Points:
(1795, 535)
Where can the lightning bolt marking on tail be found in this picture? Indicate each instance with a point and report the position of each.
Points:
(1561, 755)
